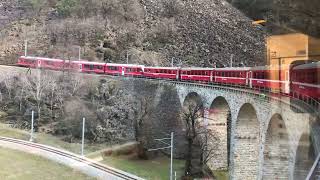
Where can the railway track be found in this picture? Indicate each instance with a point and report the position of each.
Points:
(315, 108)
(118, 174)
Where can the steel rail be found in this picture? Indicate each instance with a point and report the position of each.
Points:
(71, 156)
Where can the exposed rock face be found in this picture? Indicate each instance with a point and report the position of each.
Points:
(284, 16)
(189, 33)
(207, 32)
(10, 10)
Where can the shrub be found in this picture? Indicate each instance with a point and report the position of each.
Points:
(65, 7)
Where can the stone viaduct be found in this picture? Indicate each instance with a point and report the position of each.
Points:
(260, 137)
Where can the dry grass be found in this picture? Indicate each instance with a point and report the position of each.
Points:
(16, 165)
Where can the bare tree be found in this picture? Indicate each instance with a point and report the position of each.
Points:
(9, 83)
(190, 115)
(76, 83)
(21, 91)
(199, 140)
(143, 110)
(36, 86)
(207, 137)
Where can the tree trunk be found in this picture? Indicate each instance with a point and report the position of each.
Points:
(188, 165)
(142, 151)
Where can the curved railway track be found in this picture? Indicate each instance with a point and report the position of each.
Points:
(118, 174)
(312, 106)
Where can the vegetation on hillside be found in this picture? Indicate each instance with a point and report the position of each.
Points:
(187, 33)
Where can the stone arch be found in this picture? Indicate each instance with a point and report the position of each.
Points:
(276, 151)
(246, 144)
(219, 121)
(192, 97)
(305, 157)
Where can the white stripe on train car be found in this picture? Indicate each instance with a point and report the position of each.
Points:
(306, 84)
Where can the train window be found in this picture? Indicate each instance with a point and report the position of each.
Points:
(113, 68)
(100, 67)
(91, 66)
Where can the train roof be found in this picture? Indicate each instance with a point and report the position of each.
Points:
(149, 67)
(88, 62)
(197, 69)
(41, 58)
(233, 69)
(260, 68)
(308, 66)
(125, 65)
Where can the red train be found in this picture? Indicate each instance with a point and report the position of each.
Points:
(297, 80)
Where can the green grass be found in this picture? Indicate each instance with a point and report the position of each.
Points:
(48, 139)
(221, 174)
(154, 169)
(16, 165)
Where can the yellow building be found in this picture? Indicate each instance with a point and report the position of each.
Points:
(286, 49)
(289, 49)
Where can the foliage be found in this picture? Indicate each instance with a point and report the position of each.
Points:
(36, 5)
(66, 7)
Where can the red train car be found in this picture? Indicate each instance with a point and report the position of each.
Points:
(31, 62)
(270, 78)
(89, 67)
(162, 72)
(124, 69)
(197, 74)
(236, 76)
(54, 64)
(305, 80)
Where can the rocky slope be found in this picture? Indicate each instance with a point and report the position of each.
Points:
(187, 33)
(284, 16)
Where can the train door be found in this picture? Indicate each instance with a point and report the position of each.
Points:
(287, 82)
(249, 79)
(39, 63)
(211, 76)
(122, 71)
(177, 74)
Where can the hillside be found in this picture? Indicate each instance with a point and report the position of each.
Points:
(284, 16)
(189, 33)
